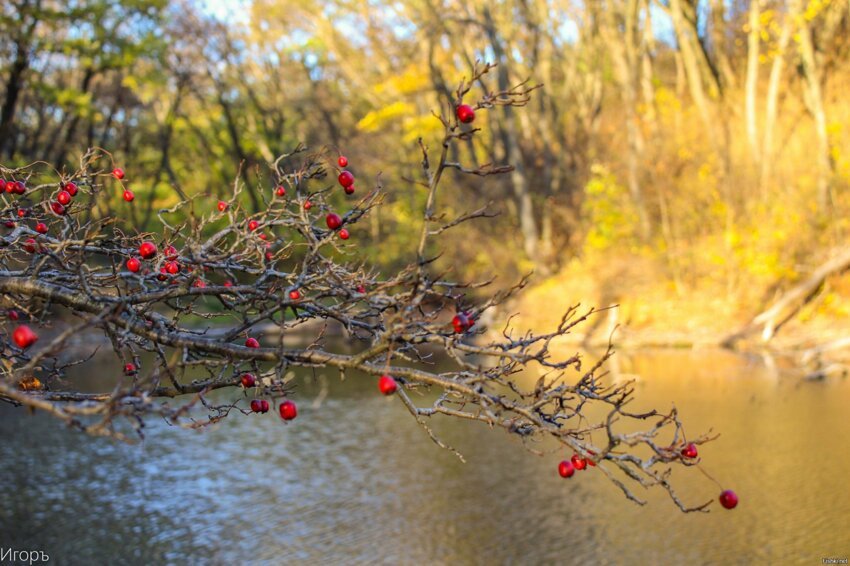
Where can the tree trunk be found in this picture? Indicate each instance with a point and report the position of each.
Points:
(772, 101)
(813, 97)
(753, 43)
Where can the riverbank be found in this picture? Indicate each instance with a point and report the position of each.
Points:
(641, 307)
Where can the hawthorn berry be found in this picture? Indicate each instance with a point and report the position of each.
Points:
(13, 314)
(9, 224)
(349, 190)
(228, 283)
(41, 228)
(118, 173)
(346, 179)
(172, 267)
(259, 406)
(170, 253)
(343, 234)
(134, 265)
(64, 197)
(20, 188)
(248, 380)
(252, 343)
(57, 208)
(288, 410)
(24, 337)
(361, 289)
(29, 245)
(461, 323)
(333, 221)
(578, 462)
(129, 369)
(387, 385)
(2, 185)
(71, 189)
(566, 469)
(308, 205)
(147, 250)
(253, 225)
(129, 196)
(222, 206)
(23, 213)
(342, 161)
(199, 284)
(294, 295)
(728, 499)
(280, 191)
(465, 113)
(690, 451)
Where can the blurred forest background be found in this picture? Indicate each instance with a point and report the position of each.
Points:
(689, 159)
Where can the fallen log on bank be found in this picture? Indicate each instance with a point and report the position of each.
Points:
(791, 302)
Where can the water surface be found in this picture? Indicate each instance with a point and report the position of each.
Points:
(355, 480)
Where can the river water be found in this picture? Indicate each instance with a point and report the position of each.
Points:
(354, 480)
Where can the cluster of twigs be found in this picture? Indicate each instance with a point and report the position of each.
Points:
(183, 334)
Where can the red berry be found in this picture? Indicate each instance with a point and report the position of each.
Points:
(222, 206)
(349, 190)
(269, 256)
(13, 314)
(172, 267)
(333, 220)
(248, 380)
(134, 265)
(24, 337)
(147, 250)
(20, 188)
(308, 205)
(199, 284)
(346, 179)
(387, 385)
(23, 213)
(64, 197)
(264, 236)
(57, 208)
(343, 234)
(170, 253)
(465, 113)
(288, 410)
(118, 173)
(589, 461)
(295, 294)
(228, 283)
(690, 451)
(2, 185)
(253, 225)
(41, 228)
(342, 161)
(264, 405)
(9, 224)
(252, 343)
(257, 406)
(71, 189)
(162, 276)
(578, 462)
(460, 322)
(729, 499)
(129, 369)
(29, 245)
(280, 191)
(129, 196)
(361, 289)
(566, 469)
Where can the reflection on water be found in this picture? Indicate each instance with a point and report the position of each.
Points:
(356, 481)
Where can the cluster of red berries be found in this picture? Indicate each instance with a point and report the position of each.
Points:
(118, 173)
(567, 468)
(12, 187)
